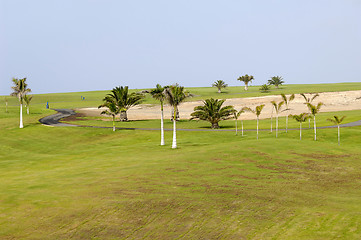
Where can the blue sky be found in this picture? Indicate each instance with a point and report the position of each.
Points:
(68, 45)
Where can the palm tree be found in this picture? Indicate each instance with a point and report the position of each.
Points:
(265, 88)
(213, 112)
(113, 110)
(314, 110)
(20, 89)
(337, 121)
(236, 116)
(287, 102)
(6, 104)
(257, 111)
(277, 108)
(301, 118)
(219, 84)
(124, 100)
(276, 81)
(246, 79)
(27, 100)
(309, 100)
(175, 95)
(158, 93)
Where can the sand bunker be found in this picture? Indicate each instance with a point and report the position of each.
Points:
(333, 101)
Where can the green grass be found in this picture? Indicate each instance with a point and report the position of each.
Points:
(84, 183)
(321, 120)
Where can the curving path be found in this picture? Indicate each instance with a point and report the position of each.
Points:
(53, 120)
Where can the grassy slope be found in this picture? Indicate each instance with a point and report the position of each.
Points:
(59, 183)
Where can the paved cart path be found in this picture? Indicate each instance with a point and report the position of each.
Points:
(53, 120)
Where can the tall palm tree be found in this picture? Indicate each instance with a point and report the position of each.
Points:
(20, 89)
(158, 93)
(219, 84)
(338, 121)
(236, 116)
(256, 111)
(246, 79)
(27, 100)
(287, 103)
(213, 112)
(125, 100)
(276, 81)
(277, 107)
(314, 109)
(113, 110)
(301, 118)
(175, 95)
(307, 101)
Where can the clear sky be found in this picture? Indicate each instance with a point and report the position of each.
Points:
(81, 45)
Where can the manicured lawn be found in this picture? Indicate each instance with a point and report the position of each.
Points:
(86, 183)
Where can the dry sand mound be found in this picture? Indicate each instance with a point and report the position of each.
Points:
(333, 101)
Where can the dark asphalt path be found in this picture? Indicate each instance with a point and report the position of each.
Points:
(53, 120)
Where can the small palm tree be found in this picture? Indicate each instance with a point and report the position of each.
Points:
(112, 110)
(213, 112)
(301, 118)
(246, 79)
(158, 93)
(307, 101)
(257, 111)
(314, 110)
(175, 95)
(276, 81)
(338, 121)
(6, 105)
(124, 100)
(277, 107)
(27, 100)
(219, 84)
(236, 116)
(265, 88)
(20, 89)
(287, 103)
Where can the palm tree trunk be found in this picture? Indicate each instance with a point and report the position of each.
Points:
(236, 128)
(6, 107)
(123, 116)
(314, 125)
(219, 90)
(309, 123)
(162, 127)
(271, 118)
(300, 130)
(245, 86)
(276, 125)
(257, 127)
(174, 144)
(338, 133)
(27, 110)
(113, 123)
(242, 126)
(21, 116)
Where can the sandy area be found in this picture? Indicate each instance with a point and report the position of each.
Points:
(333, 101)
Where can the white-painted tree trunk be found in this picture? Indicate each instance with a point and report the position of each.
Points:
(276, 125)
(236, 128)
(309, 122)
(271, 119)
(314, 125)
(338, 133)
(27, 110)
(242, 126)
(162, 128)
(300, 130)
(257, 127)
(113, 123)
(174, 144)
(246, 86)
(21, 116)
